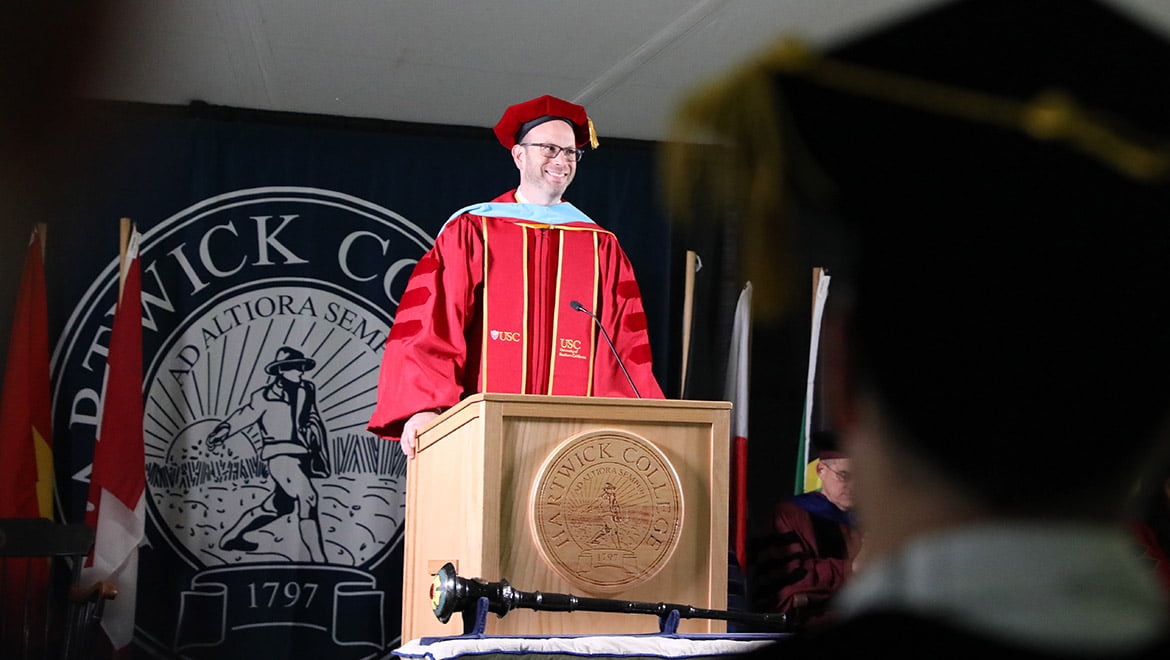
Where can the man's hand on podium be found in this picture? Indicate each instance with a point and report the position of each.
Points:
(410, 430)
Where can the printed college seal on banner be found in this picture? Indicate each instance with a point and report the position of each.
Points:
(606, 510)
(271, 508)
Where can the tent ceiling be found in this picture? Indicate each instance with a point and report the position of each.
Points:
(460, 62)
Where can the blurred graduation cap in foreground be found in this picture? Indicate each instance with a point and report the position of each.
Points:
(999, 170)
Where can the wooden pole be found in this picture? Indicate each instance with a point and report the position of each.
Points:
(124, 229)
(692, 267)
(42, 231)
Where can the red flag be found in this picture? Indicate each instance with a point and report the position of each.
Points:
(116, 508)
(26, 443)
(26, 447)
(737, 386)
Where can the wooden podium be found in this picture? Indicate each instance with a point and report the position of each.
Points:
(611, 498)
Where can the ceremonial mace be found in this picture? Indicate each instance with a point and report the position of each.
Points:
(451, 593)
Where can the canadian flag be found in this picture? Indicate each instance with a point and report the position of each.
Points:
(737, 390)
(116, 507)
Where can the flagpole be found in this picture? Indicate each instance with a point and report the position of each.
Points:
(692, 267)
(42, 230)
(125, 226)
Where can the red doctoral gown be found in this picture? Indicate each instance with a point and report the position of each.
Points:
(487, 309)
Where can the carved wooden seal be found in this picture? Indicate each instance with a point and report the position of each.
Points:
(606, 510)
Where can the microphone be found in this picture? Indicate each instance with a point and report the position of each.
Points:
(578, 307)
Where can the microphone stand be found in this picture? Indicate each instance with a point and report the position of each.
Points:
(581, 308)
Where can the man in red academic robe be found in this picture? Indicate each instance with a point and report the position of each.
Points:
(490, 307)
(815, 542)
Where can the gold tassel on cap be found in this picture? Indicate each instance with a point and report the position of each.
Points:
(593, 142)
(721, 150)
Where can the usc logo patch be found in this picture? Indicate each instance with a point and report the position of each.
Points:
(504, 335)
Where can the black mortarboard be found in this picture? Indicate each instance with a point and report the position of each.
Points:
(1001, 168)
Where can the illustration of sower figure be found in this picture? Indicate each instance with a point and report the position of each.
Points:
(284, 415)
(611, 516)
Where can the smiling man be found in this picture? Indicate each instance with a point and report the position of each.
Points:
(546, 170)
(489, 308)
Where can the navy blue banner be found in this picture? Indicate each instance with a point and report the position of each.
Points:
(276, 250)
(330, 607)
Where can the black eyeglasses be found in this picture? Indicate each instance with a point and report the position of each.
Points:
(844, 475)
(552, 151)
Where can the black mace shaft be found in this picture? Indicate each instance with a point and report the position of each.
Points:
(451, 593)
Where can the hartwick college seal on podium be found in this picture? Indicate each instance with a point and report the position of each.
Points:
(606, 510)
